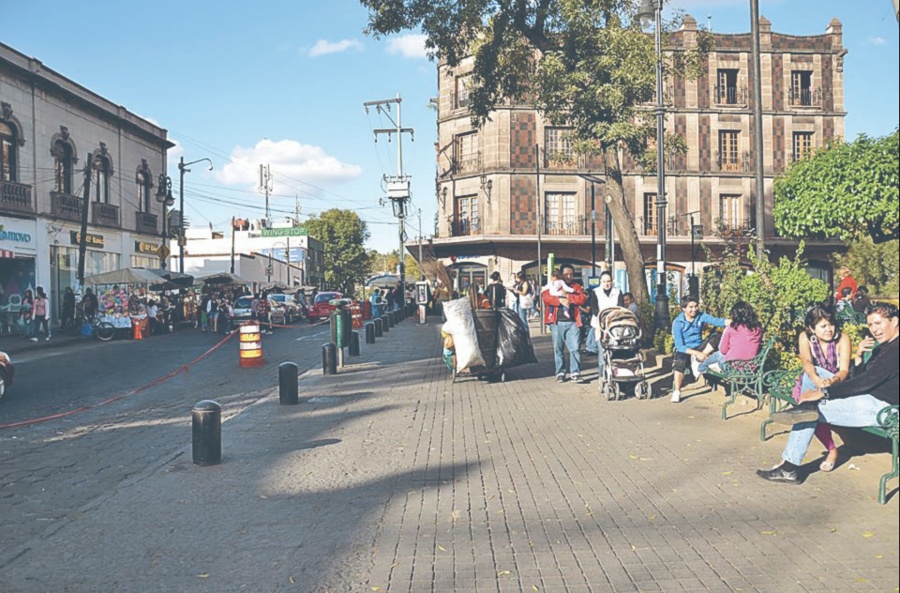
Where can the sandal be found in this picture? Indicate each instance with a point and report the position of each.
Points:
(827, 466)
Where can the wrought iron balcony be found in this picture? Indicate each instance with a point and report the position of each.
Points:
(566, 227)
(731, 95)
(464, 227)
(104, 214)
(459, 100)
(468, 163)
(65, 206)
(564, 161)
(145, 223)
(805, 97)
(15, 197)
(732, 164)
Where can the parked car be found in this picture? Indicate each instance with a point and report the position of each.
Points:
(241, 309)
(277, 312)
(321, 309)
(7, 371)
(292, 308)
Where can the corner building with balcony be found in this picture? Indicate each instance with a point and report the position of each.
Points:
(50, 127)
(490, 181)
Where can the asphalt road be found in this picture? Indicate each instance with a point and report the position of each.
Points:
(73, 446)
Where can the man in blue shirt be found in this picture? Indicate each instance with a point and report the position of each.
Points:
(687, 330)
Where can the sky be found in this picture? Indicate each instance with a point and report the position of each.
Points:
(283, 83)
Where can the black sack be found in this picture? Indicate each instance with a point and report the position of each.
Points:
(514, 343)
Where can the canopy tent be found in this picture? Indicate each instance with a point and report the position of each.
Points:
(175, 278)
(125, 276)
(386, 280)
(275, 284)
(223, 278)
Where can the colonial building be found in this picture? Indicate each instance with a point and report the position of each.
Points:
(490, 181)
(50, 129)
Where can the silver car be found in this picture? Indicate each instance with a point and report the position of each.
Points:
(292, 309)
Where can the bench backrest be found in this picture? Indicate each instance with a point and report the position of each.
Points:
(756, 363)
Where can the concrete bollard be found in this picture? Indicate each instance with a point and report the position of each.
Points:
(385, 325)
(353, 348)
(379, 327)
(329, 359)
(370, 333)
(287, 384)
(388, 321)
(206, 432)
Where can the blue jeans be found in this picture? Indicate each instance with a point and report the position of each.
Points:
(590, 343)
(566, 334)
(523, 315)
(855, 411)
(714, 358)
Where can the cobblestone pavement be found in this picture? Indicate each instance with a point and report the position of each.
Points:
(390, 477)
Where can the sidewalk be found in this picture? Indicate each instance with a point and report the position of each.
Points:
(389, 478)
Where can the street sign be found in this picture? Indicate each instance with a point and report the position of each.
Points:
(163, 252)
(698, 231)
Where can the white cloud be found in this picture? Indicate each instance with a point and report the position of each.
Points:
(408, 46)
(290, 162)
(877, 40)
(324, 47)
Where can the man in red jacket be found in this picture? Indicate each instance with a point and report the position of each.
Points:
(563, 316)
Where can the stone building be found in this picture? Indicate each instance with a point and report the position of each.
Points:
(490, 180)
(50, 128)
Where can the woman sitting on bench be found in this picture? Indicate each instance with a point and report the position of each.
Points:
(740, 340)
(856, 402)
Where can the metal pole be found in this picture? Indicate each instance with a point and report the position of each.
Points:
(693, 270)
(758, 129)
(662, 299)
(593, 234)
(537, 197)
(181, 223)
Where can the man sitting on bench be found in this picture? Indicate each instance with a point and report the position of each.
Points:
(855, 402)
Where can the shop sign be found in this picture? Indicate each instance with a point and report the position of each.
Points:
(145, 247)
(92, 240)
(297, 231)
(17, 237)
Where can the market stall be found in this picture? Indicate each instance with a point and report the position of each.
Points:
(120, 296)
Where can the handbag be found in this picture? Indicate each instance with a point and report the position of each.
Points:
(526, 301)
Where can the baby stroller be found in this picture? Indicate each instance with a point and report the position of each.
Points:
(620, 335)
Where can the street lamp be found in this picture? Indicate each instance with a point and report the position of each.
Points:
(648, 14)
(593, 180)
(164, 197)
(182, 169)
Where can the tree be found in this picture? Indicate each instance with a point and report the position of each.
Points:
(875, 266)
(583, 63)
(343, 233)
(844, 190)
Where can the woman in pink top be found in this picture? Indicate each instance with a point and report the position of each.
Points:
(740, 340)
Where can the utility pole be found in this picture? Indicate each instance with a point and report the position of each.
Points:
(398, 186)
(266, 186)
(421, 270)
(82, 239)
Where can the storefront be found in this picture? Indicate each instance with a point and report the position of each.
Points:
(18, 253)
(64, 263)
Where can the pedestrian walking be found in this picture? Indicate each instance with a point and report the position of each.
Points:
(563, 315)
(603, 297)
(26, 312)
(41, 316)
(496, 292)
(67, 318)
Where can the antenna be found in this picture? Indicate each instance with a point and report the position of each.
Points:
(266, 185)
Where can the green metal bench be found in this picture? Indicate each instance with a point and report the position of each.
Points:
(779, 387)
(742, 376)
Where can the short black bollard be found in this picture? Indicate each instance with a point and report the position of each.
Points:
(287, 384)
(354, 343)
(206, 432)
(385, 324)
(370, 333)
(379, 327)
(329, 359)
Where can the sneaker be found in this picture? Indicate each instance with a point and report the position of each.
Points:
(34, 339)
(47, 339)
(695, 367)
(804, 412)
(560, 378)
(576, 378)
(779, 474)
(676, 397)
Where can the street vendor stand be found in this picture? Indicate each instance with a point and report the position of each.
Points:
(114, 289)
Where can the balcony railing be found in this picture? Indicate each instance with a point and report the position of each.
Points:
(65, 206)
(464, 227)
(731, 95)
(104, 214)
(730, 229)
(15, 197)
(468, 163)
(567, 227)
(564, 161)
(805, 97)
(459, 100)
(730, 164)
(145, 223)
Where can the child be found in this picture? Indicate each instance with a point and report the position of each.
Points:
(560, 289)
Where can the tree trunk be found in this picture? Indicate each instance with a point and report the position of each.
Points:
(623, 221)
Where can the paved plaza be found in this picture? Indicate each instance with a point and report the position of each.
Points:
(389, 477)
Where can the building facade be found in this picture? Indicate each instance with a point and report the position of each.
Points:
(496, 184)
(55, 133)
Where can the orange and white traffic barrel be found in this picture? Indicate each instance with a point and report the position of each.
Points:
(251, 354)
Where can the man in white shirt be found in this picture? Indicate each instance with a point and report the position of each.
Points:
(603, 297)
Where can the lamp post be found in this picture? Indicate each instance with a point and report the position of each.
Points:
(182, 169)
(164, 197)
(593, 180)
(650, 13)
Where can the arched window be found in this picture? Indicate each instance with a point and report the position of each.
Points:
(144, 185)
(63, 162)
(102, 173)
(8, 149)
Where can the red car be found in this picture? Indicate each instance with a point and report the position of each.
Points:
(321, 309)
